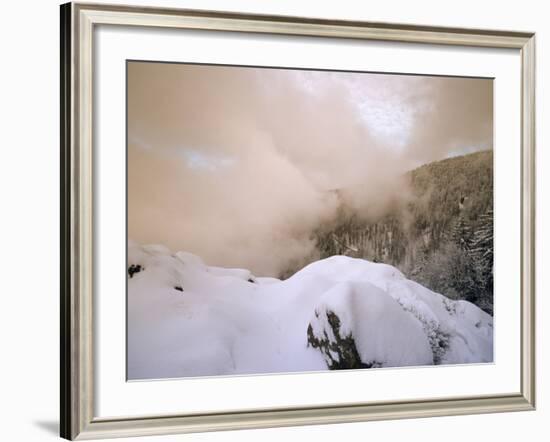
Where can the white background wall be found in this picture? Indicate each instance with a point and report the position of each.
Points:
(29, 170)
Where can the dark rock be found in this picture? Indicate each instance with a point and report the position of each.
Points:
(342, 352)
(178, 288)
(133, 269)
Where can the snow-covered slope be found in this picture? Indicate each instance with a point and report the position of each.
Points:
(188, 319)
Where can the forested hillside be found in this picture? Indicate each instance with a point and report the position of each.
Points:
(441, 237)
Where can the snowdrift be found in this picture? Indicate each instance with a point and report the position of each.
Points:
(188, 319)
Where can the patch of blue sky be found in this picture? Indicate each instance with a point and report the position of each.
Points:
(466, 149)
(206, 161)
(382, 102)
(389, 121)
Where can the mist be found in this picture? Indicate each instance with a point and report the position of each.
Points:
(238, 165)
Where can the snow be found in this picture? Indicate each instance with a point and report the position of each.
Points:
(186, 318)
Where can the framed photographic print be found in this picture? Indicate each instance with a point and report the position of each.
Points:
(275, 220)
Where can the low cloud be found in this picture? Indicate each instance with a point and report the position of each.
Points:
(237, 165)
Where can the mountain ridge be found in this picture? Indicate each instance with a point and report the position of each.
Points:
(435, 229)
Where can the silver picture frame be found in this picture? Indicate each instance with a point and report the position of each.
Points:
(78, 21)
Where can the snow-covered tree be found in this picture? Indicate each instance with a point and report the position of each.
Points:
(482, 253)
(461, 234)
(482, 242)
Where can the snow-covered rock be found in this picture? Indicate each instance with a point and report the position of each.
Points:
(384, 334)
(189, 319)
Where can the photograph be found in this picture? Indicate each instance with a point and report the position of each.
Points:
(284, 220)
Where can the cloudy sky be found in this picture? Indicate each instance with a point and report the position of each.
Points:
(236, 164)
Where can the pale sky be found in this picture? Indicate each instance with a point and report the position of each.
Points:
(235, 164)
